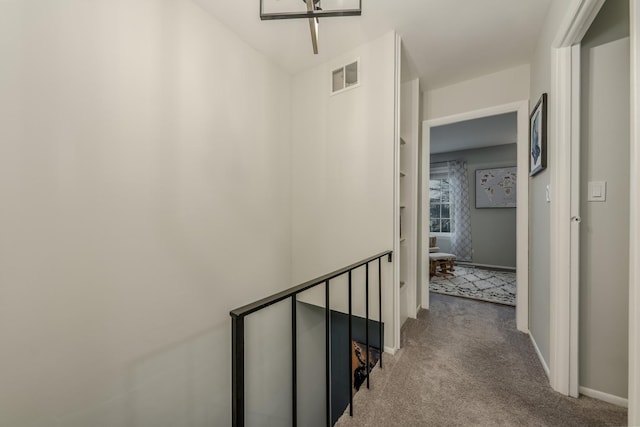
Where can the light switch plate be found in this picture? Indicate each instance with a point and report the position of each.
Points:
(597, 191)
(548, 193)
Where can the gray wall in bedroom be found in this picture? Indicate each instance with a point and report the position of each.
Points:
(493, 231)
(604, 237)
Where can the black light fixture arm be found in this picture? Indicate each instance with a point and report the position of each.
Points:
(317, 12)
(313, 13)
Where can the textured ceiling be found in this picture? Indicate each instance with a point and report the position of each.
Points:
(447, 40)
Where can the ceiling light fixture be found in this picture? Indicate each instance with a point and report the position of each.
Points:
(311, 10)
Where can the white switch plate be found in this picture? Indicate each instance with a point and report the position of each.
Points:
(597, 191)
(548, 193)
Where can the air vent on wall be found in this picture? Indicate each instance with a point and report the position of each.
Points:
(345, 77)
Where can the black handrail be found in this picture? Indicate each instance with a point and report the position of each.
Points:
(245, 310)
(237, 335)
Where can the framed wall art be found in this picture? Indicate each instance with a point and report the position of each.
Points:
(496, 188)
(538, 137)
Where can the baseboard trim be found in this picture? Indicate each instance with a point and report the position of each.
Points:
(605, 397)
(542, 361)
(418, 308)
(390, 350)
(495, 267)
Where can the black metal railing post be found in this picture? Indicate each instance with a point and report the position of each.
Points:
(366, 309)
(327, 314)
(380, 309)
(237, 371)
(350, 351)
(294, 360)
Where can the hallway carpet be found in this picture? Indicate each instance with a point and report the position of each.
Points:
(463, 363)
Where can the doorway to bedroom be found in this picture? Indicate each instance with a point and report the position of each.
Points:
(472, 202)
(475, 188)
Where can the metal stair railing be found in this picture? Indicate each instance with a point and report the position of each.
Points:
(238, 334)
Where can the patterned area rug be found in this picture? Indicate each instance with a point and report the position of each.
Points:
(477, 283)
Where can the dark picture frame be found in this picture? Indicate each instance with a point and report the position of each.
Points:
(538, 137)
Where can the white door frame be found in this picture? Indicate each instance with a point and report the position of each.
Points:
(522, 212)
(564, 301)
(634, 232)
(564, 116)
(396, 196)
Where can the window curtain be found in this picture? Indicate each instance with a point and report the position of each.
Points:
(461, 235)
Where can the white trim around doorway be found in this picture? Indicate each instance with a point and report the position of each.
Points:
(634, 226)
(522, 211)
(564, 130)
(396, 196)
(563, 362)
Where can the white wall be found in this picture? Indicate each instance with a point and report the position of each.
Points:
(539, 209)
(342, 167)
(408, 69)
(604, 238)
(499, 88)
(145, 180)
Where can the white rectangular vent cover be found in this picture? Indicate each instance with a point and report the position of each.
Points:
(345, 77)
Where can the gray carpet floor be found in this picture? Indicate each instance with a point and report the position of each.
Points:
(463, 363)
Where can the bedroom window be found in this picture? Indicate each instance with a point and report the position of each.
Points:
(440, 205)
(440, 200)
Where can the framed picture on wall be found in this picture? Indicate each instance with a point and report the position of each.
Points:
(496, 188)
(538, 137)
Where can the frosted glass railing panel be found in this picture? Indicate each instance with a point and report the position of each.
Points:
(311, 365)
(358, 290)
(268, 362)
